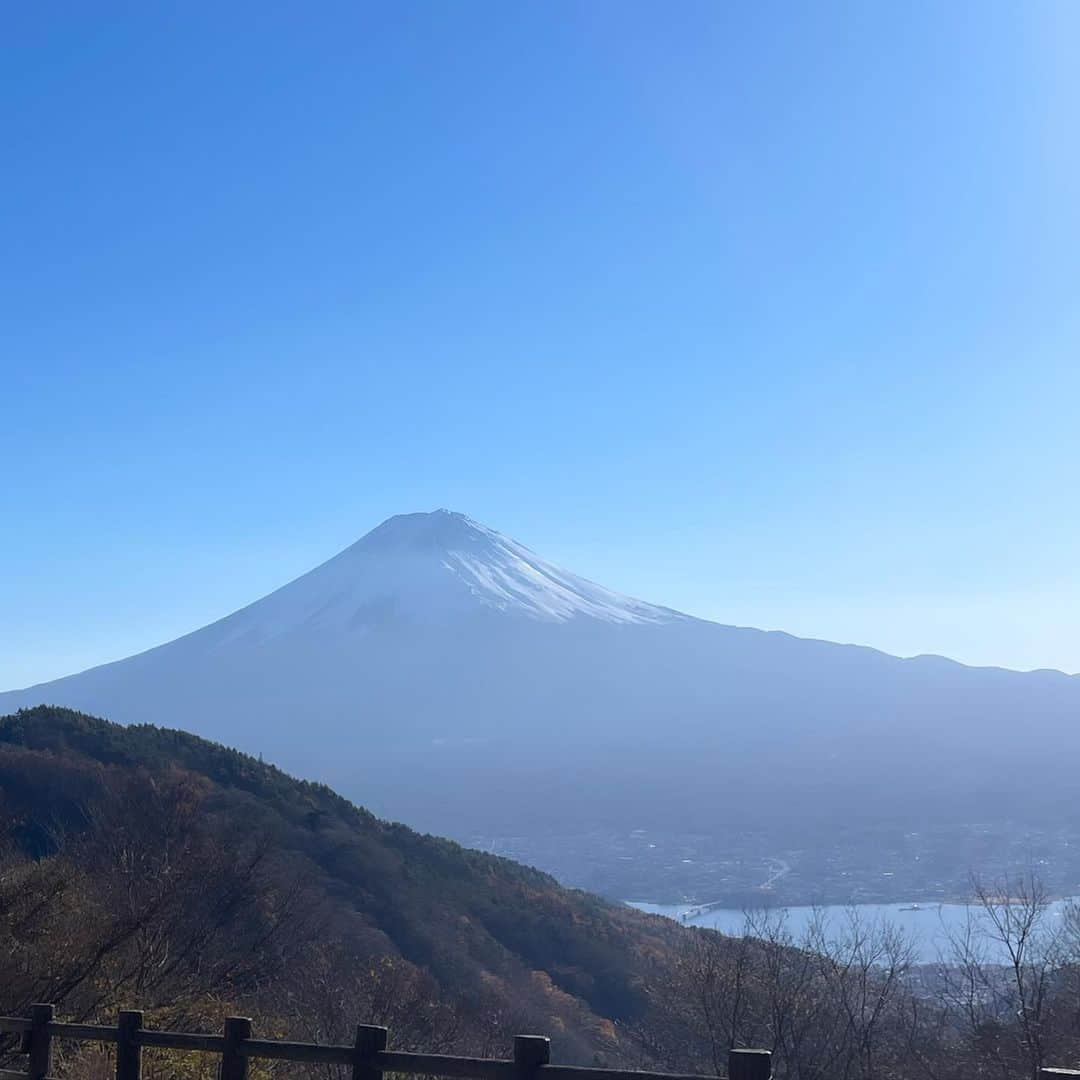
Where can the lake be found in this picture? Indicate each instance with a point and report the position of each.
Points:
(929, 925)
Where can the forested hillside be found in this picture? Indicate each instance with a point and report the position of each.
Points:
(190, 872)
(148, 867)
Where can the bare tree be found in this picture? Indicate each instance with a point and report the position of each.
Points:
(998, 976)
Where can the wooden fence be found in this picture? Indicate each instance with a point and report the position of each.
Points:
(368, 1058)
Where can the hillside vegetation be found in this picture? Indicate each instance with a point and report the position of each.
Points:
(166, 870)
(147, 867)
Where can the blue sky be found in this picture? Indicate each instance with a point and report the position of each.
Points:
(764, 311)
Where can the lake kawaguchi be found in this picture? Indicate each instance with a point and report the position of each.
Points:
(931, 926)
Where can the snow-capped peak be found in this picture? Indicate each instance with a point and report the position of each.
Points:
(440, 528)
(430, 568)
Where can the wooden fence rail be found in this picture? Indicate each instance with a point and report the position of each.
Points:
(368, 1056)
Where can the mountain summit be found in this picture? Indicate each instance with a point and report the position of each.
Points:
(433, 568)
(448, 676)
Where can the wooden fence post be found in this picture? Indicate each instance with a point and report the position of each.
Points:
(749, 1065)
(128, 1051)
(530, 1052)
(40, 1042)
(369, 1041)
(234, 1065)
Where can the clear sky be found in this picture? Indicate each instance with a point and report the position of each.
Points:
(770, 312)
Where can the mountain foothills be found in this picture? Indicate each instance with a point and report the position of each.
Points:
(453, 679)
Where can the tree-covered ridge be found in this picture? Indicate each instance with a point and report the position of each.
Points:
(62, 730)
(484, 929)
(313, 806)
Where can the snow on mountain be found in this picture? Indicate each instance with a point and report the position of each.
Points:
(432, 568)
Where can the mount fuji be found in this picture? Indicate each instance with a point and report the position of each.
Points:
(446, 675)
